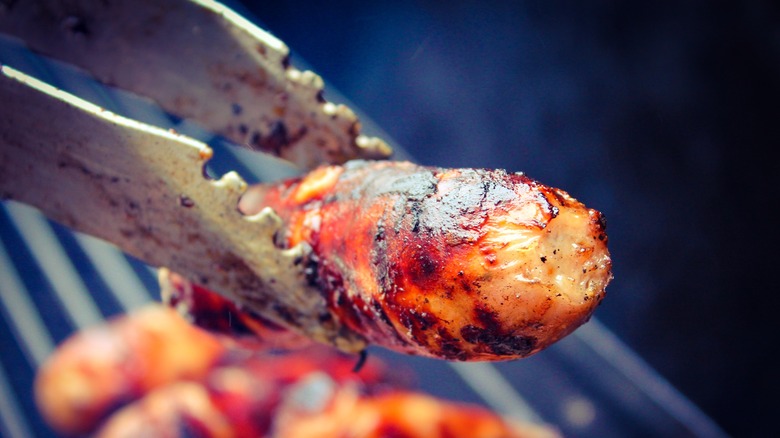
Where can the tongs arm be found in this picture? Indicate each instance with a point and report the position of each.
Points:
(144, 189)
(201, 61)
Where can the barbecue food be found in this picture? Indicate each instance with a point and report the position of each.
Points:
(192, 409)
(98, 369)
(459, 264)
(139, 375)
(402, 414)
(150, 351)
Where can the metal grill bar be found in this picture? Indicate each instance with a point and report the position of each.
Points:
(26, 322)
(115, 271)
(56, 265)
(604, 343)
(12, 421)
(496, 390)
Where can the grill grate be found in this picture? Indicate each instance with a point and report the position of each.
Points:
(54, 281)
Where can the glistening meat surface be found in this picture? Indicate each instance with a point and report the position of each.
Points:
(459, 264)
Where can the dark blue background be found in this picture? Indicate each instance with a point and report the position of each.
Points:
(660, 115)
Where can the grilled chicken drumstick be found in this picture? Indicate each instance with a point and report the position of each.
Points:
(460, 264)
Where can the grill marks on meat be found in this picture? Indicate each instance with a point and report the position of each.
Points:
(460, 264)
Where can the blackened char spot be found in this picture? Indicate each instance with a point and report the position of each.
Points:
(501, 344)
(380, 233)
(415, 210)
(285, 313)
(416, 321)
(380, 312)
(351, 311)
(494, 337)
(601, 226)
(276, 138)
(449, 346)
(488, 318)
(186, 201)
(427, 264)
(387, 324)
(311, 269)
(421, 266)
(379, 262)
(602, 221)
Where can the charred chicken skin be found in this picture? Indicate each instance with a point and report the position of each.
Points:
(459, 264)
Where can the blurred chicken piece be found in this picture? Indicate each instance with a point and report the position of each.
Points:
(152, 374)
(101, 368)
(400, 414)
(240, 398)
(190, 409)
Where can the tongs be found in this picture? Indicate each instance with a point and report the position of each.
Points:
(143, 188)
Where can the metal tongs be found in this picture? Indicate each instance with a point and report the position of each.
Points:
(143, 188)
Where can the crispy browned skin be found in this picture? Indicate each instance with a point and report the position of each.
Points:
(460, 264)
